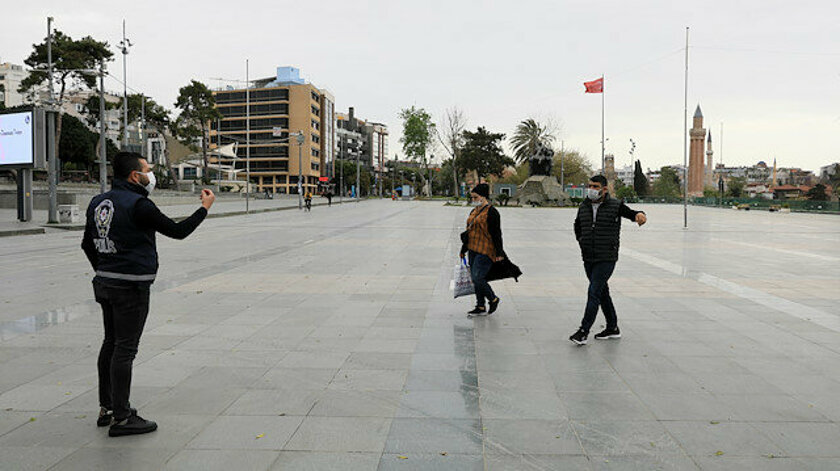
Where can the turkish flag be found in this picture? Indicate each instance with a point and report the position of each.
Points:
(595, 86)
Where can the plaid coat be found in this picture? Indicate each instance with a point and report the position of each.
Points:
(478, 232)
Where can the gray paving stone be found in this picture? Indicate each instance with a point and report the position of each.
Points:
(316, 461)
(221, 460)
(246, 433)
(363, 434)
(433, 435)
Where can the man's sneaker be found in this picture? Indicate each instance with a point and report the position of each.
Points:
(579, 337)
(494, 304)
(133, 425)
(105, 417)
(478, 311)
(608, 334)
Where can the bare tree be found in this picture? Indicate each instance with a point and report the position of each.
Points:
(451, 137)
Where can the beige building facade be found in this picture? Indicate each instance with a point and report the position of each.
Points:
(280, 107)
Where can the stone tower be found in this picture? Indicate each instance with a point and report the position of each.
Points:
(696, 169)
(710, 168)
(609, 172)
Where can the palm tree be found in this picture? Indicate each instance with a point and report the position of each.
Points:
(529, 135)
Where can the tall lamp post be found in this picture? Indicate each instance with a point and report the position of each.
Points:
(124, 45)
(52, 165)
(300, 139)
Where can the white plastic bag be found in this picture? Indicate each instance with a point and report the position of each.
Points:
(462, 279)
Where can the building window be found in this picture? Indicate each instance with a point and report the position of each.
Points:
(315, 96)
(315, 166)
(315, 125)
(315, 153)
(316, 111)
(316, 139)
(190, 173)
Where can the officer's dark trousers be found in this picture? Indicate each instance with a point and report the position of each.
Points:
(124, 311)
(598, 295)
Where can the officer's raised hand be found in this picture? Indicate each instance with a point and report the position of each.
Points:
(207, 198)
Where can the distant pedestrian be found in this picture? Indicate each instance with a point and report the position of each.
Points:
(307, 198)
(482, 243)
(597, 229)
(119, 242)
(329, 198)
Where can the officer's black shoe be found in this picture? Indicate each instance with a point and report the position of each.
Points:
(105, 417)
(494, 304)
(478, 311)
(132, 425)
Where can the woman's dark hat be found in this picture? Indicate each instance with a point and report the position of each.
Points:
(482, 189)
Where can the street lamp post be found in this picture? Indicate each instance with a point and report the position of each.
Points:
(124, 45)
(300, 139)
(52, 165)
(103, 147)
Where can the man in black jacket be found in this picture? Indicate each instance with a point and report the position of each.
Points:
(119, 242)
(597, 229)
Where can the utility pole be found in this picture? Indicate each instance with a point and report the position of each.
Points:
(219, 155)
(124, 45)
(103, 147)
(685, 137)
(300, 139)
(247, 139)
(358, 173)
(52, 165)
(562, 170)
(143, 125)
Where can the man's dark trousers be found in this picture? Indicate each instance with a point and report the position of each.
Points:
(599, 294)
(479, 267)
(124, 312)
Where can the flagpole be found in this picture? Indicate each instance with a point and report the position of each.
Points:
(603, 144)
(685, 137)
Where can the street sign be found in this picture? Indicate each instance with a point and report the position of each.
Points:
(277, 132)
(323, 179)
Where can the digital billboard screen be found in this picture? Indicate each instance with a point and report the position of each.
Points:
(16, 141)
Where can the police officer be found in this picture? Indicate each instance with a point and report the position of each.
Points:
(119, 242)
(597, 228)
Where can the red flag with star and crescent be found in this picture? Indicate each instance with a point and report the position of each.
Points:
(595, 86)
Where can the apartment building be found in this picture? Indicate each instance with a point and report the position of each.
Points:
(280, 106)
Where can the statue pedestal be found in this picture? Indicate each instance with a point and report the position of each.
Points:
(542, 190)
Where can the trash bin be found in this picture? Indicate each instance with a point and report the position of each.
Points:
(68, 213)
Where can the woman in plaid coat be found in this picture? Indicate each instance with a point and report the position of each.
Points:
(482, 243)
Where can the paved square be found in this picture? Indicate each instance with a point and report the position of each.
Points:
(330, 340)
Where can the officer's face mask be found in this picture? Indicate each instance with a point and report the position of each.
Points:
(150, 180)
(593, 194)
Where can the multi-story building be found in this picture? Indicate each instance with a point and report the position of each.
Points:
(279, 106)
(350, 143)
(374, 136)
(10, 77)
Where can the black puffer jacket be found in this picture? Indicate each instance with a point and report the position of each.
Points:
(599, 238)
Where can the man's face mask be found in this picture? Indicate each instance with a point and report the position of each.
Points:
(593, 194)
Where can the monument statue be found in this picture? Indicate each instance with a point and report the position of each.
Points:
(541, 187)
(541, 162)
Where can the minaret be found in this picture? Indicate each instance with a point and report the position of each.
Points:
(710, 169)
(696, 169)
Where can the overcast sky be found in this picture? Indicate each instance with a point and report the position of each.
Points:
(769, 70)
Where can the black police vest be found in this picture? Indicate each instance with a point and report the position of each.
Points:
(125, 251)
(599, 239)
